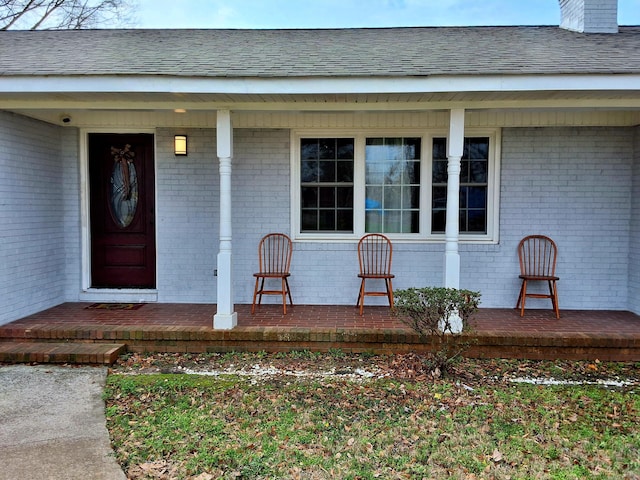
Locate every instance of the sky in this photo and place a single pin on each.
(355, 13)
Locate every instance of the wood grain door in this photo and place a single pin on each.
(122, 210)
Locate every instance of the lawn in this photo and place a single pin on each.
(310, 416)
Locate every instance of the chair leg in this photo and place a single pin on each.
(284, 295)
(288, 291)
(519, 297)
(389, 292)
(361, 296)
(523, 296)
(553, 291)
(255, 293)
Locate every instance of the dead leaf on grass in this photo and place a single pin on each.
(496, 456)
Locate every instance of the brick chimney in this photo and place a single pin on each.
(589, 16)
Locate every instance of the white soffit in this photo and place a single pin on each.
(308, 86)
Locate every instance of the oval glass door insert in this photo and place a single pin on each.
(123, 192)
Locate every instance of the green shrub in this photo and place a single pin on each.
(433, 312)
(430, 310)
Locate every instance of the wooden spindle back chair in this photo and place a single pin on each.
(274, 258)
(374, 255)
(537, 255)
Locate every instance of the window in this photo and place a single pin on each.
(474, 186)
(346, 186)
(392, 183)
(326, 184)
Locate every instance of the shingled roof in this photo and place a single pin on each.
(367, 52)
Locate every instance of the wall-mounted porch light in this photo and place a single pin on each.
(180, 145)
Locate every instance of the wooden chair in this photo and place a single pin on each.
(374, 254)
(274, 257)
(537, 255)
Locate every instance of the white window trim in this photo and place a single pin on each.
(359, 135)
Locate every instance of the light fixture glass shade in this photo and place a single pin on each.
(180, 144)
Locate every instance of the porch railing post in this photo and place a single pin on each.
(225, 318)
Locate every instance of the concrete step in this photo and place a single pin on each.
(67, 352)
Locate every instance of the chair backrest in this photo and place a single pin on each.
(374, 254)
(537, 255)
(274, 253)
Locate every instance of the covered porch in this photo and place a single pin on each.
(186, 328)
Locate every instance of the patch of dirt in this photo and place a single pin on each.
(402, 367)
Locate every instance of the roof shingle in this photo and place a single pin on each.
(373, 52)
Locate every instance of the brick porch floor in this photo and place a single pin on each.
(606, 335)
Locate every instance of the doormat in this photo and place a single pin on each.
(114, 306)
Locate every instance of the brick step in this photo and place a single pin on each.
(68, 352)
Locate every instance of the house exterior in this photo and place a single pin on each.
(324, 135)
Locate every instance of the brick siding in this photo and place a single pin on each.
(574, 184)
(32, 214)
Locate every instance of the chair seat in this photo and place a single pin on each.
(376, 275)
(271, 275)
(539, 277)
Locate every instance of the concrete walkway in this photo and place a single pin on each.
(52, 424)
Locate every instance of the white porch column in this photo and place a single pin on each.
(225, 317)
(455, 147)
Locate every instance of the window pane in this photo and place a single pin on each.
(392, 177)
(344, 171)
(438, 221)
(344, 147)
(374, 198)
(412, 148)
(373, 221)
(327, 219)
(414, 222)
(309, 220)
(309, 149)
(393, 197)
(439, 149)
(477, 221)
(392, 222)
(327, 172)
(439, 199)
(344, 220)
(393, 172)
(412, 197)
(344, 197)
(477, 197)
(411, 173)
(476, 148)
(478, 171)
(439, 171)
(327, 197)
(374, 173)
(309, 171)
(309, 197)
(327, 148)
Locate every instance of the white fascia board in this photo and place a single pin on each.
(295, 86)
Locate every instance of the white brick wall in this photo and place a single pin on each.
(573, 184)
(32, 215)
(187, 217)
(634, 249)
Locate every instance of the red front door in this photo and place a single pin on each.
(122, 209)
